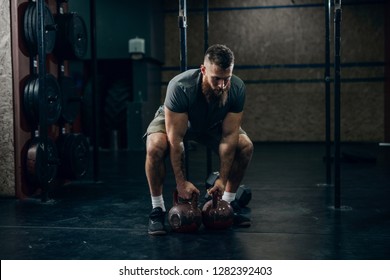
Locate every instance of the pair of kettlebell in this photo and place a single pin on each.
(186, 217)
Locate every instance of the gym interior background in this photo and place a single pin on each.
(280, 54)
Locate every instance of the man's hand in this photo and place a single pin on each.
(186, 190)
(218, 187)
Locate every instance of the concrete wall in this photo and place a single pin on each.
(7, 165)
(280, 54)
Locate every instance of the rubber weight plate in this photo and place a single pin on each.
(74, 155)
(53, 94)
(28, 103)
(38, 173)
(72, 39)
(28, 35)
(31, 29)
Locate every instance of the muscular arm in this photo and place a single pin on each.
(176, 126)
(228, 145)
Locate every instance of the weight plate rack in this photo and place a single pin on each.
(51, 158)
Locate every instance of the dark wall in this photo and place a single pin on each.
(119, 76)
(118, 21)
(280, 55)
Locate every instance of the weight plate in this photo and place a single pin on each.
(32, 91)
(28, 101)
(50, 32)
(72, 39)
(38, 173)
(78, 35)
(32, 29)
(26, 26)
(53, 95)
(33, 101)
(74, 155)
(80, 155)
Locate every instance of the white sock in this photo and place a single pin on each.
(158, 201)
(228, 196)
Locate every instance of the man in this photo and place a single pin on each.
(204, 105)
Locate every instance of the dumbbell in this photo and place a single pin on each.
(243, 194)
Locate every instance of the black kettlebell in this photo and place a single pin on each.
(217, 213)
(185, 216)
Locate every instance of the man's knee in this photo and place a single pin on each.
(246, 147)
(156, 146)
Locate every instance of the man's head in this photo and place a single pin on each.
(217, 70)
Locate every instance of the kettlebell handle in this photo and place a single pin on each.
(216, 197)
(194, 199)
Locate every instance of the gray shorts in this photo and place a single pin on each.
(211, 138)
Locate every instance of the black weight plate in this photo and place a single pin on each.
(33, 45)
(70, 101)
(31, 104)
(72, 39)
(34, 99)
(74, 155)
(33, 30)
(27, 101)
(49, 33)
(53, 94)
(38, 173)
(32, 161)
(78, 35)
(26, 26)
(79, 156)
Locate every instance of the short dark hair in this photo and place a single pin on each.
(220, 55)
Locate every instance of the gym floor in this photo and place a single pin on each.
(293, 217)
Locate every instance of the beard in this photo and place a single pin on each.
(215, 95)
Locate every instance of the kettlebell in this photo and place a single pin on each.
(185, 216)
(217, 213)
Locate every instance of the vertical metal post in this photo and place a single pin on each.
(337, 91)
(328, 172)
(206, 24)
(206, 46)
(40, 8)
(183, 63)
(95, 99)
(183, 34)
(387, 72)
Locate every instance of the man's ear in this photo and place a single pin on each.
(203, 69)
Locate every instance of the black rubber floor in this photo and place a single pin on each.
(293, 217)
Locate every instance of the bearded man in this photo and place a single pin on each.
(204, 105)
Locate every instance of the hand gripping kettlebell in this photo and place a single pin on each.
(217, 213)
(185, 216)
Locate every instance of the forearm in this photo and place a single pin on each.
(227, 149)
(177, 155)
(176, 126)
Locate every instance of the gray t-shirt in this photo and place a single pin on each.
(184, 95)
